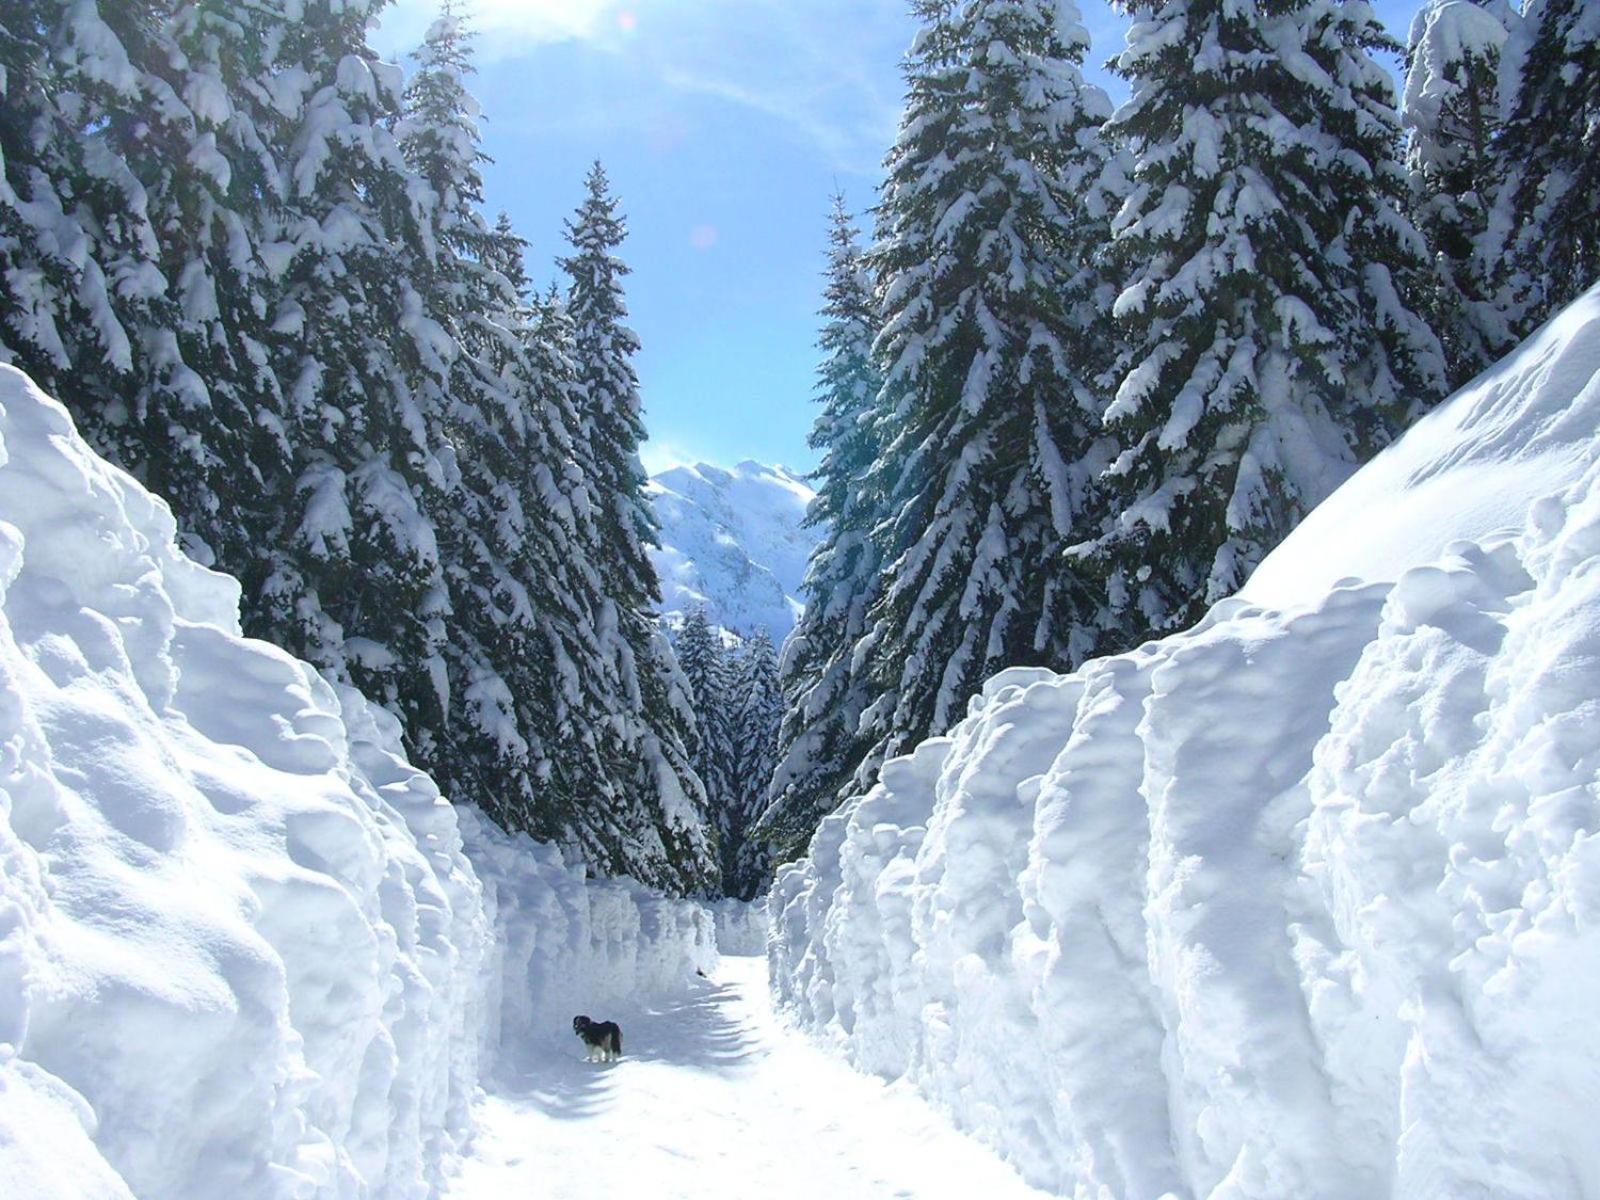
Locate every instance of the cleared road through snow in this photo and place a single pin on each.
(715, 1100)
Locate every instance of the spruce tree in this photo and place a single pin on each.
(140, 178)
(612, 417)
(1451, 112)
(264, 284)
(706, 669)
(356, 581)
(755, 705)
(824, 694)
(505, 561)
(986, 257)
(1273, 289)
(52, 292)
(650, 723)
(1548, 222)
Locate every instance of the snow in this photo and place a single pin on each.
(741, 926)
(733, 542)
(239, 942)
(1302, 902)
(714, 1100)
(1469, 470)
(246, 949)
(568, 944)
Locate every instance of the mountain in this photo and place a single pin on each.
(1304, 901)
(734, 541)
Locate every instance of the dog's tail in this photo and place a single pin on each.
(616, 1041)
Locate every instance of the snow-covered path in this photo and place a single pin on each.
(717, 1101)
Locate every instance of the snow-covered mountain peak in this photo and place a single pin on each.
(734, 540)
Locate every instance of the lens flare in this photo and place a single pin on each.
(703, 237)
(627, 20)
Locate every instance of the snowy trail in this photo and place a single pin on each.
(716, 1100)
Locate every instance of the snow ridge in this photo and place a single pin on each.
(1302, 902)
(240, 945)
(246, 948)
(734, 542)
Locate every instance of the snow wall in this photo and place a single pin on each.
(741, 926)
(568, 944)
(1302, 903)
(243, 950)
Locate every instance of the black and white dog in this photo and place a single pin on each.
(603, 1038)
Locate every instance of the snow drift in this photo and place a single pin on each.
(741, 926)
(569, 944)
(239, 942)
(243, 950)
(1304, 902)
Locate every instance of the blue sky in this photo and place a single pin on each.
(725, 126)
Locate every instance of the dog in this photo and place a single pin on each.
(603, 1038)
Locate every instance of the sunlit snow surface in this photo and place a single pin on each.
(1303, 903)
(713, 1100)
(240, 947)
(243, 952)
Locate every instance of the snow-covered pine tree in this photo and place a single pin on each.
(1548, 218)
(1273, 287)
(612, 416)
(356, 581)
(824, 694)
(215, 251)
(755, 703)
(55, 302)
(650, 721)
(1451, 111)
(595, 757)
(986, 256)
(704, 661)
(504, 564)
(134, 152)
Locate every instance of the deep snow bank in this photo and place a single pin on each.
(1303, 903)
(239, 944)
(243, 949)
(741, 926)
(568, 944)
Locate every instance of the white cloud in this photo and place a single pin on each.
(659, 454)
(506, 27)
(824, 68)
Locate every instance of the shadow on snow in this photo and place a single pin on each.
(695, 1033)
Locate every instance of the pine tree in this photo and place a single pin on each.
(1272, 297)
(613, 421)
(506, 558)
(986, 255)
(706, 669)
(651, 717)
(755, 703)
(1452, 114)
(84, 113)
(53, 294)
(356, 581)
(824, 694)
(264, 284)
(1548, 219)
